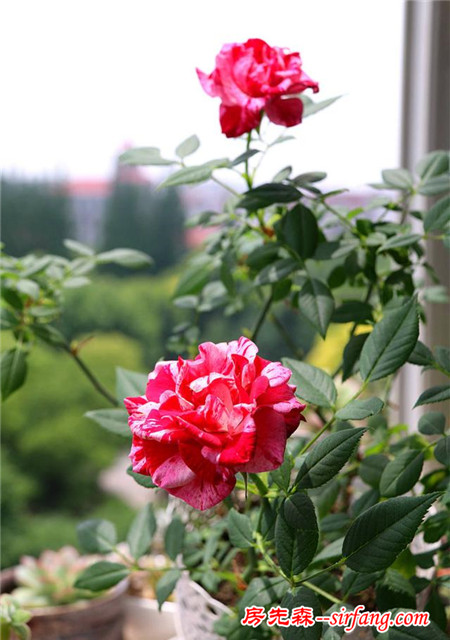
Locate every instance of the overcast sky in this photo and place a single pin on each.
(82, 78)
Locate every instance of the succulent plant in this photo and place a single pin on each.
(13, 619)
(49, 580)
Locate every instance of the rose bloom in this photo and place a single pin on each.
(203, 420)
(253, 77)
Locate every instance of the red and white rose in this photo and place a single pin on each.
(252, 78)
(201, 421)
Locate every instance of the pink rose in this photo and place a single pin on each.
(203, 420)
(253, 77)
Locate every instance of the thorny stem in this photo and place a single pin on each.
(317, 436)
(267, 558)
(331, 420)
(91, 377)
(262, 317)
(321, 592)
(334, 211)
(354, 327)
(248, 178)
(225, 186)
(337, 564)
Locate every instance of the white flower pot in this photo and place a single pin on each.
(143, 621)
(196, 611)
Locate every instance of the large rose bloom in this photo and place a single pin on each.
(253, 77)
(203, 420)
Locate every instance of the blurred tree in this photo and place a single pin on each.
(35, 216)
(52, 455)
(138, 218)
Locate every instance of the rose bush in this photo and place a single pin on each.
(202, 421)
(253, 77)
(331, 519)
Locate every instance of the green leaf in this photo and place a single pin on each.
(402, 473)
(29, 288)
(433, 164)
(395, 581)
(101, 575)
(8, 320)
(309, 177)
(379, 535)
(282, 475)
(316, 303)
(294, 599)
(434, 394)
(129, 384)
(365, 501)
(398, 178)
(74, 283)
(141, 532)
(360, 409)
(421, 355)
(141, 479)
(437, 294)
(244, 156)
(391, 342)
(277, 271)
(351, 355)
(195, 174)
(12, 298)
(442, 451)
(327, 497)
(330, 551)
(78, 248)
(443, 358)
(313, 384)
(434, 186)
(239, 530)
(432, 423)
(166, 584)
(195, 276)
(13, 367)
(371, 469)
(299, 230)
(264, 591)
(296, 534)
(268, 194)
(97, 536)
(310, 107)
(125, 258)
(144, 156)
(438, 216)
(187, 147)
(327, 458)
(283, 174)
(174, 538)
(353, 311)
(49, 334)
(114, 420)
(436, 526)
(399, 241)
(353, 582)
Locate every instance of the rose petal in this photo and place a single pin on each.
(284, 111)
(270, 442)
(236, 120)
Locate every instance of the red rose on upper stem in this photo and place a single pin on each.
(253, 77)
(203, 420)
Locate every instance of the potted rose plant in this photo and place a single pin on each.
(340, 522)
(305, 521)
